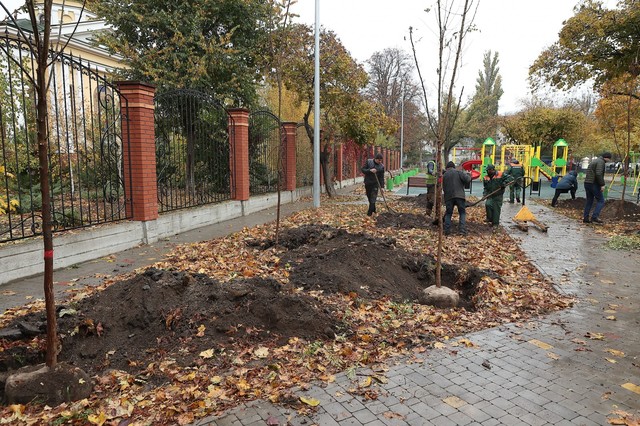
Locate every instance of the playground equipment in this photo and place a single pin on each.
(469, 164)
(529, 157)
(633, 173)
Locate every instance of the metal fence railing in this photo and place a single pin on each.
(265, 152)
(84, 142)
(192, 150)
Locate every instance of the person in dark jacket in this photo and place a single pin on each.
(373, 171)
(594, 187)
(453, 183)
(494, 183)
(517, 173)
(568, 183)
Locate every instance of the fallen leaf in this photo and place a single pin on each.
(261, 352)
(391, 415)
(632, 387)
(611, 318)
(594, 336)
(365, 383)
(207, 354)
(615, 352)
(612, 361)
(553, 355)
(541, 345)
(312, 402)
(454, 401)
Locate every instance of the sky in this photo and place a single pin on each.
(519, 30)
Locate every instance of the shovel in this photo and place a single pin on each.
(468, 204)
(383, 197)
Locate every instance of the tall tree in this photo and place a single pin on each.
(213, 45)
(391, 86)
(596, 44)
(345, 112)
(481, 115)
(454, 22)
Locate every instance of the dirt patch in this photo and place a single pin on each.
(403, 220)
(614, 210)
(369, 267)
(134, 322)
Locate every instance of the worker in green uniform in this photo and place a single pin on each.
(516, 171)
(430, 180)
(494, 183)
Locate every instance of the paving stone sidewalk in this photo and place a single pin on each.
(580, 366)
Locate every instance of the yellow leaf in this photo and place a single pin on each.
(615, 352)
(612, 361)
(201, 330)
(611, 318)
(552, 355)
(312, 402)
(97, 420)
(439, 345)
(594, 336)
(454, 401)
(541, 345)
(632, 387)
(365, 383)
(207, 354)
(216, 380)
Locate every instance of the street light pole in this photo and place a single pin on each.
(402, 127)
(316, 112)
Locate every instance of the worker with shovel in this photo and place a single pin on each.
(453, 183)
(373, 171)
(494, 185)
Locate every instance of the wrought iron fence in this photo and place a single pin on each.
(304, 158)
(192, 150)
(85, 145)
(265, 156)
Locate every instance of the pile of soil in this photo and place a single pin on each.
(403, 221)
(131, 323)
(160, 313)
(614, 210)
(370, 267)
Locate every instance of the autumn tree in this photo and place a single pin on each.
(599, 45)
(543, 125)
(345, 112)
(454, 22)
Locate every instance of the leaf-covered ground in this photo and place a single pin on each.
(238, 318)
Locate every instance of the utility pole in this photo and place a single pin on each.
(316, 113)
(402, 127)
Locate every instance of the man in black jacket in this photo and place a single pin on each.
(373, 171)
(594, 187)
(453, 183)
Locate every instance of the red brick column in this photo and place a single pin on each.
(340, 156)
(139, 148)
(239, 153)
(289, 129)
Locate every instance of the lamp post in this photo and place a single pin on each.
(316, 112)
(402, 127)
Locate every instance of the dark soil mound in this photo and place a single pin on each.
(403, 220)
(419, 200)
(371, 268)
(615, 210)
(133, 322)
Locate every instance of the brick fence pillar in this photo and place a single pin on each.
(138, 128)
(239, 153)
(340, 158)
(290, 131)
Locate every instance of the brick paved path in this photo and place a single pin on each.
(543, 372)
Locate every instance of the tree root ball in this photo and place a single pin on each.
(51, 386)
(440, 297)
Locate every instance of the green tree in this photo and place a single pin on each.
(481, 117)
(212, 45)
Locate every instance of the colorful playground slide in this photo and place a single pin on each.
(468, 165)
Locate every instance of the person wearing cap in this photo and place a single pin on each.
(594, 187)
(373, 171)
(494, 185)
(516, 171)
(453, 183)
(568, 183)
